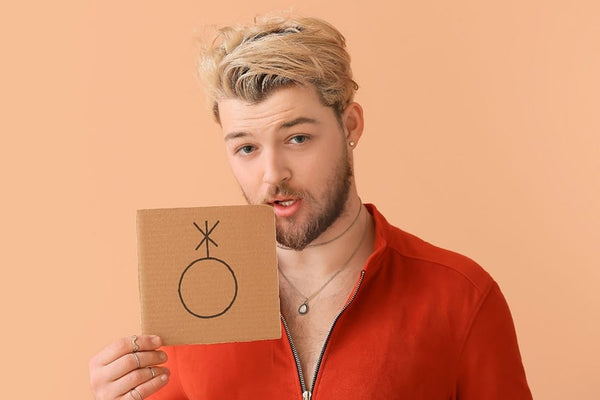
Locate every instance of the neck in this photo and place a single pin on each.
(318, 262)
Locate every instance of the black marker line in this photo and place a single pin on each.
(235, 291)
(206, 235)
(204, 238)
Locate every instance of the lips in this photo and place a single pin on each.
(285, 207)
(286, 203)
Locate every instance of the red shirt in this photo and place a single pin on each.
(422, 323)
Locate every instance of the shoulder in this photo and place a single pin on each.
(423, 258)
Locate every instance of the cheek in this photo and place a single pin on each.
(240, 173)
(245, 176)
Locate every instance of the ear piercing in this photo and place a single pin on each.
(351, 143)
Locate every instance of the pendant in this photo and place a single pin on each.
(303, 309)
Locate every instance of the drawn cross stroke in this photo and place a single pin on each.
(206, 234)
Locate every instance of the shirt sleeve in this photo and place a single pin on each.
(490, 366)
(173, 389)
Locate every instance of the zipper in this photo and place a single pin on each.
(307, 393)
(362, 275)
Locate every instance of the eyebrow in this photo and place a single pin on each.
(298, 121)
(285, 125)
(235, 135)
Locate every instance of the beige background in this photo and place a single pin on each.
(482, 135)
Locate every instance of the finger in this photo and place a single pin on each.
(125, 345)
(136, 378)
(155, 371)
(146, 388)
(129, 362)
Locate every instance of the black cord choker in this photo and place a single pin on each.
(335, 238)
(303, 308)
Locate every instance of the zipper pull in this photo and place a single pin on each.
(306, 395)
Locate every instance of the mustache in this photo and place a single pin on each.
(287, 191)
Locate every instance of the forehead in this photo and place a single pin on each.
(281, 106)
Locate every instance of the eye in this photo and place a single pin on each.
(245, 150)
(299, 139)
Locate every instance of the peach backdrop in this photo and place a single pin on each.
(482, 135)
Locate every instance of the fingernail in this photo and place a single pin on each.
(162, 356)
(164, 377)
(155, 340)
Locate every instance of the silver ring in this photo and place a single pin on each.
(134, 339)
(152, 371)
(136, 392)
(137, 360)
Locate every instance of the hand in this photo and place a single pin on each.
(127, 369)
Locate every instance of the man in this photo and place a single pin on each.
(368, 311)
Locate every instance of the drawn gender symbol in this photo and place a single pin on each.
(200, 279)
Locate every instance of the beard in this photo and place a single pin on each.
(295, 234)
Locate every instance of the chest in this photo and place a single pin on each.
(308, 332)
(371, 355)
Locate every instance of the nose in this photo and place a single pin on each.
(275, 168)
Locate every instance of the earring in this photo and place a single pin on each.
(351, 143)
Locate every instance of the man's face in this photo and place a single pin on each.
(289, 151)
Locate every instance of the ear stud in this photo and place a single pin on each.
(351, 143)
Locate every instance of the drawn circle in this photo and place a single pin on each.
(201, 288)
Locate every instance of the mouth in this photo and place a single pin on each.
(284, 203)
(282, 200)
(285, 207)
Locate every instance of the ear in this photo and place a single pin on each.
(354, 122)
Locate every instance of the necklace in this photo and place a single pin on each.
(303, 308)
(335, 238)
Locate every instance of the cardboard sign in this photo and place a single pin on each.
(208, 274)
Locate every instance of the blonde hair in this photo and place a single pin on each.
(249, 62)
